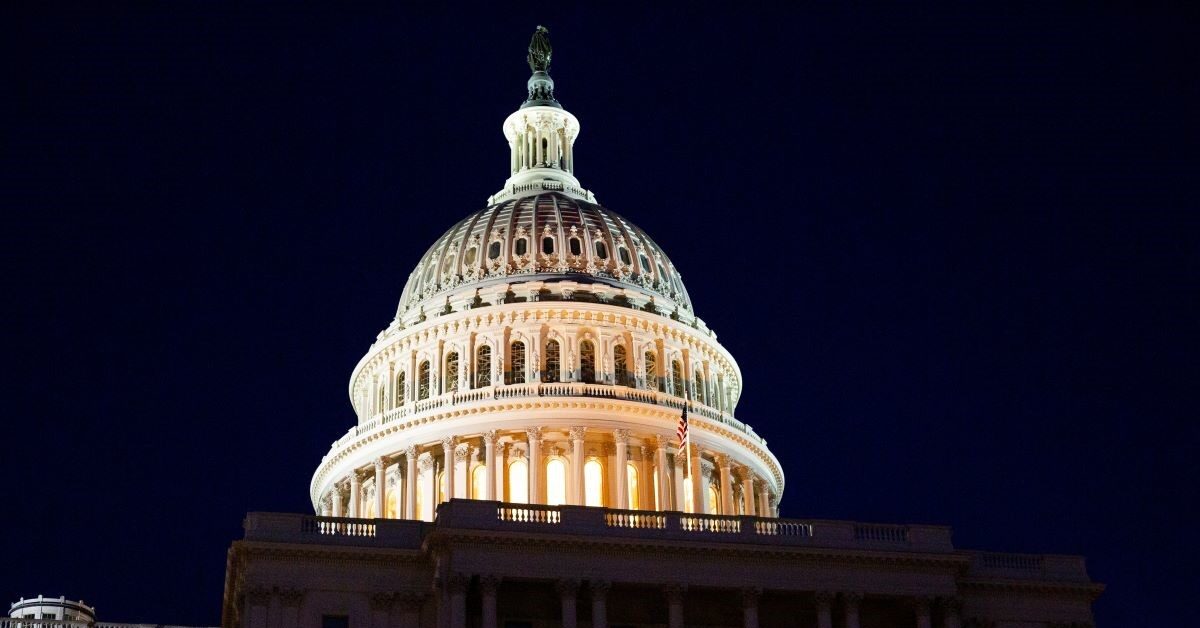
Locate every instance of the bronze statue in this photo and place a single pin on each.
(539, 50)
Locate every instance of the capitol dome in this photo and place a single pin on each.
(545, 352)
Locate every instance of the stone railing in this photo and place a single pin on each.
(1028, 566)
(18, 622)
(293, 528)
(548, 389)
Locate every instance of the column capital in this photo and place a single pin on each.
(599, 588)
(380, 464)
(462, 452)
(448, 443)
(725, 462)
(488, 583)
(680, 459)
(354, 479)
(675, 592)
(534, 434)
(411, 451)
(621, 436)
(647, 452)
(425, 461)
(489, 437)
(576, 433)
(567, 587)
(750, 596)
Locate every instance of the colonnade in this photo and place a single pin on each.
(553, 466)
(452, 610)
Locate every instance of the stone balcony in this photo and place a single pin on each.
(491, 516)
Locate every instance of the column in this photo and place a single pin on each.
(410, 483)
(410, 610)
(750, 597)
(535, 464)
(488, 585)
(664, 475)
(645, 479)
(576, 494)
(489, 468)
(621, 437)
(921, 610)
(380, 489)
(447, 467)
(726, 466)
(680, 462)
(501, 469)
(675, 595)
(457, 588)
(824, 609)
(599, 590)
(355, 495)
(852, 600)
(748, 491)
(951, 612)
(762, 507)
(391, 386)
(568, 591)
(335, 495)
(429, 477)
(698, 500)
(325, 511)
(462, 478)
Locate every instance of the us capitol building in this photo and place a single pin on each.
(517, 460)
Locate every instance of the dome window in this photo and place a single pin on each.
(423, 380)
(624, 255)
(483, 366)
(547, 245)
(494, 250)
(448, 265)
(601, 249)
(451, 380)
(645, 263)
(553, 362)
(522, 246)
(587, 362)
(517, 355)
(576, 246)
(469, 258)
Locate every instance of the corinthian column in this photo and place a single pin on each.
(664, 474)
(488, 584)
(824, 609)
(750, 607)
(921, 610)
(680, 494)
(727, 507)
(447, 468)
(355, 495)
(535, 464)
(568, 591)
(852, 600)
(380, 489)
(410, 483)
(577, 495)
(697, 475)
(675, 595)
(335, 496)
(599, 589)
(748, 491)
(621, 437)
(489, 465)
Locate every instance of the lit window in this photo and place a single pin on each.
(620, 366)
(494, 250)
(517, 355)
(483, 366)
(393, 505)
(677, 378)
(556, 482)
(441, 486)
(714, 500)
(593, 483)
(469, 259)
(399, 396)
(423, 380)
(687, 495)
(518, 482)
(699, 395)
(651, 370)
(631, 481)
(451, 380)
(553, 362)
(587, 362)
(479, 483)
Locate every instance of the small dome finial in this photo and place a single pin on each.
(539, 50)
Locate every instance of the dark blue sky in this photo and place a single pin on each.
(954, 253)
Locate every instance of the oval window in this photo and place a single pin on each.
(601, 250)
(494, 250)
(547, 246)
(470, 257)
(447, 265)
(624, 253)
(522, 246)
(645, 263)
(576, 247)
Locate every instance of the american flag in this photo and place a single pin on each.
(682, 430)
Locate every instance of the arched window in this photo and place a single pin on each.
(576, 246)
(548, 245)
(479, 482)
(631, 483)
(518, 482)
(494, 250)
(620, 366)
(623, 253)
(522, 246)
(423, 380)
(587, 362)
(516, 352)
(662, 273)
(701, 392)
(399, 396)
(714, 500)
(381, 400)
(676, 378)
(645, 263)
(450, 381)
(651, 370)
(556, 482)
(369, 506)
(393, 505)
(553, 362)
(601, 249)
(483, 366)
(741, 503)
(593, 483)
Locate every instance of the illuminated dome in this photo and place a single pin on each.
(548, 237)
(542, 353)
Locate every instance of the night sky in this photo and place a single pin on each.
(955, 255)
